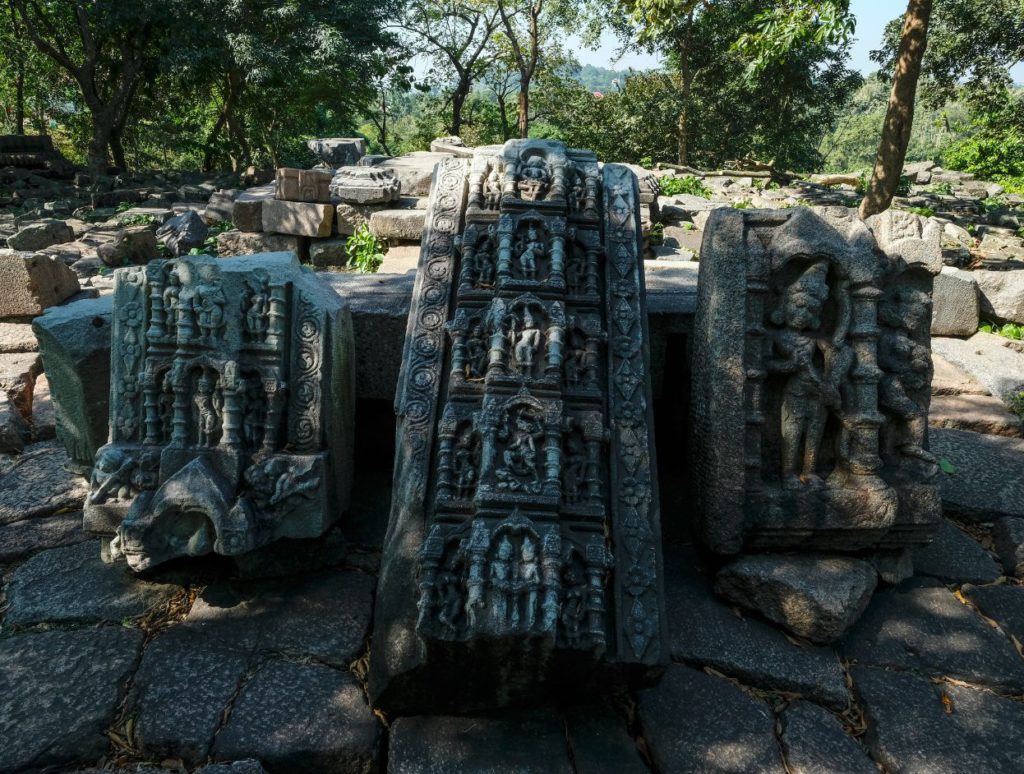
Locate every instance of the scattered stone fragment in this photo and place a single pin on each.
(365, 185)
(977, 413)
(328, 252)
(1004, 604)
(813, 742)
(31, 535)
(893, 565)
(14, 430)
(923, 626)
(59, 693)
(814, 596)
(40, 485)
(301, 717)
(1002, 294)
(694, 722)
(73, 583)
(955, 557)
(179, 717)
(40, 234)
(398, 224)
(414, 170)
(133, 245)
(918, 727)
(247, 212)
(324, 616)
(252, 243)
(297, 218)
(954, 303)
(600, 742)
(338, 151)
(183, 232)
(220, 206)
(1008, 537)
(74, 343)
(988, 477)
(987, 358)
(33, 282)
(351, 217)
(44, 415)
(17, 337)
(742, 647)
(524, 742)
(18, 373)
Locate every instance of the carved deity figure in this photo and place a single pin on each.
(527, 343)
(111, 478)
(492, 190)
(500, 582)
(534, 179)
(476, 351)
(574, 468)
(578, 195)
(256, 318)
(573, 597)
(906, 366)
(449, 587)
(529, 580)
(520, 456)
(254, 413)
(209, 303)
(208, 403)
(465, 465)
(814, 367)
(277, 479)
(531, 250)
(575, 272)
(485, 263)
(172, 290)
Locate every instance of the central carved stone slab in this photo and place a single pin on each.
(524, 533)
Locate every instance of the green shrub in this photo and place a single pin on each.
(364, 252)
(988, 155)
(926, 212)
(1015, 400)
(1008, 331)
(671, 186)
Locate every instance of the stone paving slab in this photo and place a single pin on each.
(523, 742)
(922, 626)
(989, 478)
(704, 631)
(948, 379)
(72, 583)
(1004, 604)
(955, 557)
(694, 722)
(59, 692)
(813, 742)
(302, 717)
(918, 727)
(600, 742)
(26, 537)
(986, 357)
(325, 616)
(977, 413)
(40, 484)
(17, 337)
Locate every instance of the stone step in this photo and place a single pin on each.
(978, 413)
(994, 361)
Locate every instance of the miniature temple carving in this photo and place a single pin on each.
(524, 502)
(812, 380)
(231, 408)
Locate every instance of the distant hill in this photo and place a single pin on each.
(599, 78)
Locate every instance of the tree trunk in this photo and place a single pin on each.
(899, 115)
(102, 128)
(683, 123)
(459, 97)
(117, 149)
(524, 106)
(19, 99)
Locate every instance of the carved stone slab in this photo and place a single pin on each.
(524, 535)
(232, 396)
(811, 381)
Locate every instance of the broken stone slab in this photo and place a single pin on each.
(14, 430)
(132, 245)
(159, 215)
(954, 557)
(303, 185)
(17, 337)
(987, 481)
(365, 185)
(247, 212)
(230, 243)
(815, 597)
(987, 358)
(74, 343)
(183, 232)
(59, 693)
(528, 742)
(177, 717)
(977, 413)
(922, 626)
(453, 145)
(750, 650)
(1004, 604)
(918, 726)
(301, 717)
(40, 234)
(814, 742)
(231, 410)
(18, 374)
(306, 219)
(338, 151)
(695, 722)
(40, 484)
(72, 584)
(398, 225)
(220, 206)
(33, 282)
(414, 170)
(28, 536)
(599, 740)
(328, 252)
(1002, 294)
(1008, 539)
(955, 303)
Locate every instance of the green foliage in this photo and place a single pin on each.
(364, 252)
(687, 184)
(940, 189)
(947, 467)
(137, 220)
(742, 204)
(1009, 330)
(1015, 402)
(210, 244)
(926, 212)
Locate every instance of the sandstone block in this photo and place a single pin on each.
(1002, 294)
(252, 243)
(338, 151)
(297, 218)
(247, 214)
(365, 185)
(40, 234)
(135, 244)
(398, 224)
(303, 185)
(220, 206)
(954, 303)
(31, 283)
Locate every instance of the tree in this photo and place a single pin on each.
(899, 116)
(455, 34)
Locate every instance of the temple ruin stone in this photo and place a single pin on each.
(303, 185)
(338, 151)
(365, 185)
(524, 542)
(231, 414)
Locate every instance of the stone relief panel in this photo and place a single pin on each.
(231, 408)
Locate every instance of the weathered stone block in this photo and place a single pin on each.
(247, 212)
(133, 245)
(74, 343)
(183, 232)
(1008, 537)
(231, 243)
(232, 401)
(303, 185)
(955, 303)
(365, 185)
(328, 252)
(414, 170)
(398, 224)
(220, 206)
(1002, 294)
(297, 218)
(519, 422)
(32, 283)
(349, 218)
(40, 234)
(338, 151)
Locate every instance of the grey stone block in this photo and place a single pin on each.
(183, 232)
(338, 151)
(230, 243)
(132, 245)
(954, 303)
(1004, 604)
(26, 537)
(954, 557)
(414, 170)
(40, 484)
(328, 252)
(600, 741)
(306, 219)
(988, 477)
(32, 283)
(398, 224)
(813, 742)
(1002, 294)
(40, 234)
(1008, 537)
(247, 212)
(988, 358)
